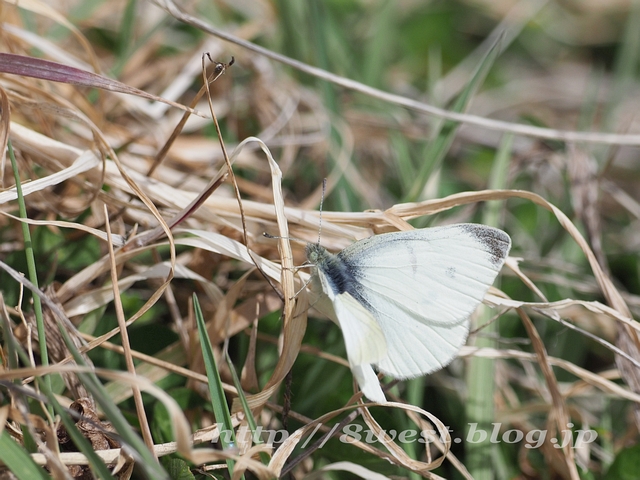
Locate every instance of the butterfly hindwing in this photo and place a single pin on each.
(415, 350)
(363, 336)
(368, 382)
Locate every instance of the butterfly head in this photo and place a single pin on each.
(316, 253)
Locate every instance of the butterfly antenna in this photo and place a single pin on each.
(276, 237)
(324, 187)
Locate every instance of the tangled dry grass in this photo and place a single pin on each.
(134, 204)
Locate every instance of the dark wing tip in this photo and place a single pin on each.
(497, 242)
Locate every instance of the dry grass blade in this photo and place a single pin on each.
(590, 378)
(280, 457)
(46, 11)
(4, 130)
(56, 72)
(487, 123)
(350, 467)
(118, 240)
(442, 441)
(160, 156)
(122, 324)
(559, 413)
(86, 161)
(295, 304)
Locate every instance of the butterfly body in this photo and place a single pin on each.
(403, 299)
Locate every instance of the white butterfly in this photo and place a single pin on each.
(403, 299)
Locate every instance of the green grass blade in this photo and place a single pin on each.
(481, 372)
(378, 52)
(589, 108)
(98, 466)
(31, 266)
(446, 130)
(626, 65)
(403, 161)
(18, 460)
(126, 35)
(144, 457)
(245, 407)
(319, 33)
(415, 396)
(218, 399)
(291, 15)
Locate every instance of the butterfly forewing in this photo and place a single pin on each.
(439, 275)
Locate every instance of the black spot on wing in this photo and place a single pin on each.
(451, 272)
(413, 257)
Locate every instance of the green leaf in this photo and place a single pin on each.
(18, 460)
(626, 465)
(178, 469)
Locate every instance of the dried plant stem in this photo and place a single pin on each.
(124, 333)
